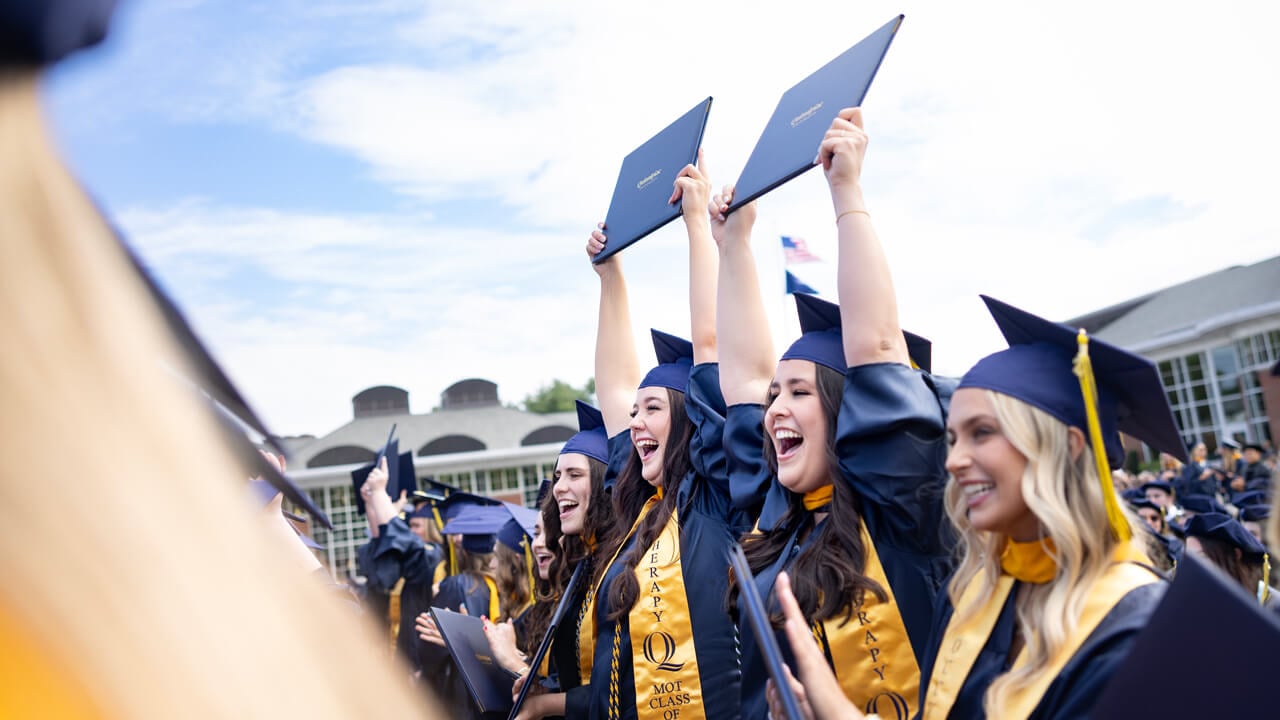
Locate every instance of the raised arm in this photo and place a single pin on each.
(617, 369)
(741, 323)
(868, 304)
(693, 191)
(378, 508)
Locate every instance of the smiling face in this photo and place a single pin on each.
(650, 426)
(987, 469)
(572, 491)
(797, 427)
(541, 555)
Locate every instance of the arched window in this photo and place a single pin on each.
(451, 444)
(548, 434)
(342, 455)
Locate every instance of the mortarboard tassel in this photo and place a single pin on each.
(528, 564)
(448, 546)
(1083, 369)
(1264, 585)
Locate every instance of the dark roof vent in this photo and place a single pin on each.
(380, 400)
(472, 393)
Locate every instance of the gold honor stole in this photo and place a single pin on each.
(495, 606)
(871, 653)
(667, 682)
(587, 617)
(962, 641)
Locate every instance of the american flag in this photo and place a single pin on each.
(796, 251)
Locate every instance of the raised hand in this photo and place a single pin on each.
(735, 228)
(843, 149)
(692, 189)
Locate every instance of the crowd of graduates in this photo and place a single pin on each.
(926, 546)
(952, 548)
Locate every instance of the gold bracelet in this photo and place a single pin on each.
(850, 212)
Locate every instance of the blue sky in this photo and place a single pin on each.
(344, 194)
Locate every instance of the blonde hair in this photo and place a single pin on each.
(1066, 497)
(158, 591)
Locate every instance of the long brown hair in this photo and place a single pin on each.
(570, 550)
(827, 577)
(630, 493)
(512, 579)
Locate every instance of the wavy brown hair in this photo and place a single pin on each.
(630, 493)
(569, 550)
(827, 577)
(512, 578)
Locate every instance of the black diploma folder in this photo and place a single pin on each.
(490, 683)
(1209, 650)
(752, 605)
(790, 141)
(565, 598)
(639, 205)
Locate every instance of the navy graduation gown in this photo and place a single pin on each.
(1082, 680)
(891, 441)
(708, 527)
(398, 553)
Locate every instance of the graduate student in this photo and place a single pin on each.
(397, 555)
(1052, 587)
(575, 514)
(1218, 538)
(852, 436)
(664, 644)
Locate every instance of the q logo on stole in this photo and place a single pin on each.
(666, 648)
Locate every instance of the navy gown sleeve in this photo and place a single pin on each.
(749, 474)
(619, 451)
(457, 590)
(397, 553)
(706, 490)
(1081, 682)
(891, 445)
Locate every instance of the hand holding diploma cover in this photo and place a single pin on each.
(640, 201)
(545, 645)
(789, 143)
(751, 604)
(489, 683)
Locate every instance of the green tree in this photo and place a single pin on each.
(558, 396)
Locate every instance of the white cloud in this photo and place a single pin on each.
(1009, 142)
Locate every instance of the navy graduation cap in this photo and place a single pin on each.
(675, 360)
(513, 535)
(1201, 504)
(1037, 368)
(591, 439)
(478, 526)
(1157, 485)
(1142, 503)
(1087, 384)
(391, 452)
(451, 506)
(1217, 526)
(40, 32)
(821, 339)
(1250, 497)
(543, 489)
(1255, 513)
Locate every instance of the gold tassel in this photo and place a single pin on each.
(1264, 585)
(448, 546)
(528, 564)
(1084, 370)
